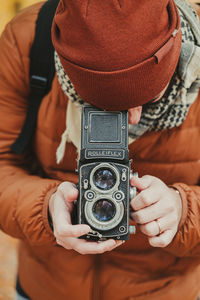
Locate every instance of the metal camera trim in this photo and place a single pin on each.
(118, 192)
(100, 166)
(104, 226)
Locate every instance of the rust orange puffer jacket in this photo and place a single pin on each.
(47, 271)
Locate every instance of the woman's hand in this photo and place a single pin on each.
(60, 208)
(157, 210)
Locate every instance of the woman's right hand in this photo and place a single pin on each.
(60, 208)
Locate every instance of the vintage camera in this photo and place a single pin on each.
(104, 174)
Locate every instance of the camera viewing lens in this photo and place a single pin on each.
(104, 179)
(104, 210)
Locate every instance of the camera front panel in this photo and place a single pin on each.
(104, 199)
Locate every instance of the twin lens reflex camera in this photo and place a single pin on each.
(104, 174)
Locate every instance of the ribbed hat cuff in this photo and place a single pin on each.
(126, 88)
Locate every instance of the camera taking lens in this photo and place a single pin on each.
(104, 210)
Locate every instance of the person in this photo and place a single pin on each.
(116, 55)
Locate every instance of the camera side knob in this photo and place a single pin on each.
(133, 190)
(132, 229)
(135, 174)
(133, 193)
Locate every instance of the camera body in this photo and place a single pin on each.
(104, 174)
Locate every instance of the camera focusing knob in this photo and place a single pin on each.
(133, 192)
(132, 229)
(133, 174)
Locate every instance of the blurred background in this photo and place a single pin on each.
(8, 245)
(8, 8)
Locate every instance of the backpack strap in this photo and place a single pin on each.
(42, 72)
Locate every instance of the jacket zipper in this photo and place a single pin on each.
(96, 284)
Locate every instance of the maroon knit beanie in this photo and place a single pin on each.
(118, 53)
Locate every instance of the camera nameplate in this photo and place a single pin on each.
(105, 153)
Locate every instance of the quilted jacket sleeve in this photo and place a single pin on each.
(23, 197)
(186, 242)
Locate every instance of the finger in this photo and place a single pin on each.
(85, 247)
(152, 212)
(72, 194)
(62, 221)
(162, 240)
(144, 198)
(69, 191)
(141, 183)
(158, 226)
(151, 229)
(63, 231)
(61, 211)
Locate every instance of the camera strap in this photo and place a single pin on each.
(42, 72)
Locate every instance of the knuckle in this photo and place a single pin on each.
(162, 244)
(101, 249)
(164, 241)
(152, 243)
(66, 246)
(104, 249)
(171, 207)
(139, 217)
(110, 249)
(174, 219)
(63, 187)
(80, 251)
(148, 230)
(145, 199)
(161, 241)
(59, 242)
(61, 231)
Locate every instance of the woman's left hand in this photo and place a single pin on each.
(157, 210)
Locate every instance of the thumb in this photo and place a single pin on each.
(72, 194)
(68, 191)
